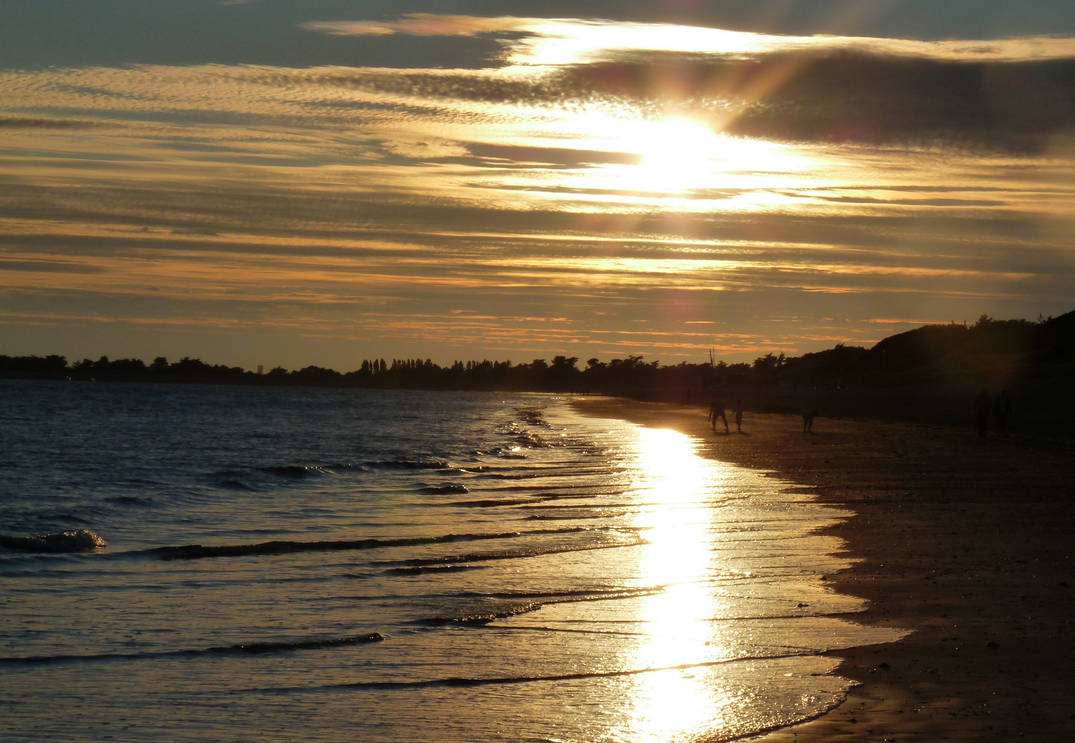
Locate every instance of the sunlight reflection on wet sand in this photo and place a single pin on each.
(668, 704)
(718, 676)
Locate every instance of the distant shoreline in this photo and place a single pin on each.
(1043, 407)
(966, 542)
(933, 374)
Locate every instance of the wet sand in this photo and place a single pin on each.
(969, 543)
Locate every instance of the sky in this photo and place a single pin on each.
(265, 182)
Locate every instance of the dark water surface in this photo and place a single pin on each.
(342, 565)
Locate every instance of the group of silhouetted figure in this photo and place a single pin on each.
(716, 410)
(987, 407)
(988, 410)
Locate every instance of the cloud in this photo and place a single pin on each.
(569, 41)
(823, 92)
(1008, 94)
(25, 122)
(422, 24)
(392, 206)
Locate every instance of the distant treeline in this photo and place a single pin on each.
(924, 373)
(562, 374)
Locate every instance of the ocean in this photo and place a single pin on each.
(359, 565)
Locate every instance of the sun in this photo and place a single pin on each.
(677, 162)
(677, 155)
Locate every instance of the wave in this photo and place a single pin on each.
(480, 617)
(500, 452)
(284, 547)
(577, 515)
(531, 473)
(73, 540)
(296, 471)
(463, 681)
(253, 478)
(475, 557)
(513, 603)
(532, 416)
(233, 483)
(451, 487)
(538, 500)
(542, 504)
(488, 502)
(532, 440)
(591, 490)
(486, 474)
(424, 569)
(408, 464)
(246, 648)
(581, 594)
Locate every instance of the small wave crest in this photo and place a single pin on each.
(532, 417)
(245, 648)
(489, 502)
(284, 547)
(451, 487)
(462, 681)
(480, 617)
(72, 540)
(514, 603)
(435, 569)
(606, 541)
(254, 479)
(508, 453)
(296, 471)
(234, 483)
(532, 440)
(408, 464)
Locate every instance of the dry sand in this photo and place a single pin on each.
(967, 542)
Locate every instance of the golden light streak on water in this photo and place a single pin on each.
(680, 701)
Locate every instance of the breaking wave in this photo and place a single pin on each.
(246, 648)
(73, 540)
(285, 547)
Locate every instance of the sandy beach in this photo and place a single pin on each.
(967, 542)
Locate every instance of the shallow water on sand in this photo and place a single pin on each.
(384, 566)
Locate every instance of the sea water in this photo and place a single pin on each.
(355, 565)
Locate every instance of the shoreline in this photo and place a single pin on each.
(969, 543)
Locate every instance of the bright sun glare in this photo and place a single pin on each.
(675, 153)
(686, 154)
(680, 155)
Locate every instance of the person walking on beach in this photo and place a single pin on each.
(716, 410)
(739, 415)
(982, 403)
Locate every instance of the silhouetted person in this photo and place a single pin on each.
(1002, 410)
(982, 403)
(716, 410)
(808, 420)
(739, 416)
